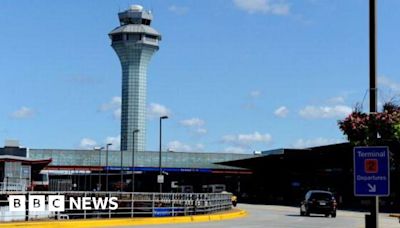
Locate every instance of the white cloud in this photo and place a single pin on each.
(280, 8)
(87, 143)
(255, 93)
(199, 147)
(115, 141)
(389, 83)
(336, 100)
(114, 105)
(201, 131)
(180, 10)
(235, 150)
(117, 113)
(276, 7)
(229, 138)
(156, 110)
(193, 122)
(255, 137)
(178, 146)
(281, 112)
(251, 102)
(314, 112)
(23, 113)
(306, 143)
(247, 139)
(195, 125)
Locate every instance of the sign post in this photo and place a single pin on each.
(371, 171)
(372, 177)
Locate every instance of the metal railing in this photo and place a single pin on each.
(129, 205)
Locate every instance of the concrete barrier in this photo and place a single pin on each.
(80, 223)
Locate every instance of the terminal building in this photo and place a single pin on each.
(279, 176)
(87, 170)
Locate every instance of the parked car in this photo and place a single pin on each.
(318, 202)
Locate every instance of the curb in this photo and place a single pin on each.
(80, 223)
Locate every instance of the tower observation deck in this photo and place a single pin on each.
(135, 42)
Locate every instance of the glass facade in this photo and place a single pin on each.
(15, 172)
(142, 159)
(12, 171)
(134, 60)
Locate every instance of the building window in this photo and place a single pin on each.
(145, 22)
(151, 38)
(117, 37)
(133, 37)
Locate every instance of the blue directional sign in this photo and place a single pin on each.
(371, 171)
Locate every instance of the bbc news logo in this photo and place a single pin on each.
(57, 203)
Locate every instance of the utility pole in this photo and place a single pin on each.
(108, 144)
(372, 219)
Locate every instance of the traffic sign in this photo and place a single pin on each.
(371, 171)
(160, 179)
(174, 184)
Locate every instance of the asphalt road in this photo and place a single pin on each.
(264, 216)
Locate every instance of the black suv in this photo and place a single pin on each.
(318, 202)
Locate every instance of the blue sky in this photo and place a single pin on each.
(234, 76)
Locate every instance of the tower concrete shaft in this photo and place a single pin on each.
(135, 42)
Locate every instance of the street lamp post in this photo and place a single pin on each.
(159, 164)
(108, 144)
(133, 160)
(99, 149)
(122, 172)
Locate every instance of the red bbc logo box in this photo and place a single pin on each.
(371, 166)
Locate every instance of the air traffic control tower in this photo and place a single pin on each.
(135, 42)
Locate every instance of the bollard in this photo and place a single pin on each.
(370, 221)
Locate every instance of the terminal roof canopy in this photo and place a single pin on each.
(36, 164)
(331, 157)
